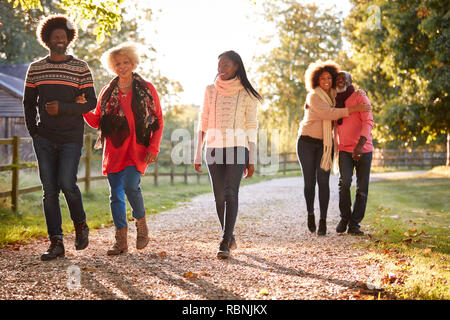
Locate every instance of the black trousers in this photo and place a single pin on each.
(226, 167)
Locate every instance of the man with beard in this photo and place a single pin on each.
(354, 137)
(55, 122)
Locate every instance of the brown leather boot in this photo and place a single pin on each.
(121, 245)
(142, 233)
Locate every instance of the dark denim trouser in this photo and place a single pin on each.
(310, 155)
(58, 167)
(226, 167)
(346, 166)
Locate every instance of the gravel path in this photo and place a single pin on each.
(276, 258)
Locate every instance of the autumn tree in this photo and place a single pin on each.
(304, 33)
(401, 50)
(106, 15)
(19, 44)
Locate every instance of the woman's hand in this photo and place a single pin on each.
(361, 107)
(361, 92)
(197, 167)
(150, 157)
(249, 170)
(81, 99)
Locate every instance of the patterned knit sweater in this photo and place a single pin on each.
(49, 80)
(229, 121)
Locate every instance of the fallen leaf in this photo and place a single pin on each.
(263, 292)
(412, 230)
(87, 269)
(427, 251)
(191, 275)
(406, 234)
(389, 278)
(162, 254)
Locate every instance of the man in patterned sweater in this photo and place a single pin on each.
(55, 122)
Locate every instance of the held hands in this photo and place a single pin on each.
(150, 158)
(52, 107)
(81, 99)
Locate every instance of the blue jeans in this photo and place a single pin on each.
(309, 155)
(125, 182)
(58, 168)
(226, 167)
(346, 166)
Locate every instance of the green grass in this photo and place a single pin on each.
(408, 221)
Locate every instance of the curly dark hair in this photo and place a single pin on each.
(314, 71)
(50, 23)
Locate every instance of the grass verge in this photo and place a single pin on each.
(408, 222)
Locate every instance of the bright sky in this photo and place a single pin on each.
(191, 34)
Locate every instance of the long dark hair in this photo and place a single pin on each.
(240, 72)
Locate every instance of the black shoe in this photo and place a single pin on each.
(342, 226)
(81, 235)
(311, 222)
(55, 250)
(224, 250)
(233, 244)
(355, 231)
(322, 227)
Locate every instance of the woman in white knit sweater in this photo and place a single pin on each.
(228, 121)
(315, 142)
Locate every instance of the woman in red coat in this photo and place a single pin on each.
(129, 118)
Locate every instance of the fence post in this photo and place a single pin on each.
(155, 173)
(284, 163)
(87, 175)
(185, 173)
(172, 166)
(15, 174)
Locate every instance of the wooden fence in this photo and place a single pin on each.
(286, 162)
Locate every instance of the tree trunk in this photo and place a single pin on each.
(448, 148)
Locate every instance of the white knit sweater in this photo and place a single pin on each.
(229, 121)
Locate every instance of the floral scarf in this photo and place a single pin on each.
(113, 123)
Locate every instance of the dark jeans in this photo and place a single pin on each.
(58, 167)
(310, 155)
(226, 167)
(346, 166)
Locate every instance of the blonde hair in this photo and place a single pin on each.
(129, 49)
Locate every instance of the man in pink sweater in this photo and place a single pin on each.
(355, 147)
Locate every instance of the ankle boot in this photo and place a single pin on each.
(224, 250)
(55, 250)
(311, 222)
(121, 245)
(142, 233)
(322, 227)
(81, 235)
(233, 244)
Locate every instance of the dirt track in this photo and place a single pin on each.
(276, 258)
